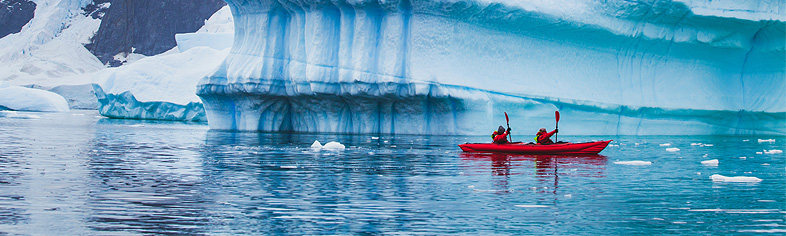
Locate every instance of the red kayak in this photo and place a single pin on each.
(559, 148)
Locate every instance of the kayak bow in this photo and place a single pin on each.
(559, 148)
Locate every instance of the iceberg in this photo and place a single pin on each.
(162, 87)
(17, 98)
(453, 67)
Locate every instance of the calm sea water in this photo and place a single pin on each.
(77, 173)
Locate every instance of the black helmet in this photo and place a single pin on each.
(500, 129)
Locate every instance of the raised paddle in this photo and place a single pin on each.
(556, 114)
(507, 121)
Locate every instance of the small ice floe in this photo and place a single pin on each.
(288, 167)
(316, 145)
(328, 146)
(766, 140)
(665, 144)
(746, 140)
(672, 149)
(736, 179)
(708, 145)
(374, 138)
(16, 115)
(633, 163)
(713, 162)
(743, 158)
(696, 144)
(531, 206)
(773, 151)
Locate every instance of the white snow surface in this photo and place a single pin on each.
(49, 48)
(170, 77)
(721, 178)
(27, 99)
(633, 163)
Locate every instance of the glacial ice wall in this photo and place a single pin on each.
(453, 67)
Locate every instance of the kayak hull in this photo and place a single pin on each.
(589, 148)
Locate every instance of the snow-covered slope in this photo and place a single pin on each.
(453, 67)
(49, 47)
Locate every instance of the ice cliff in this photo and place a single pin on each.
(454, 66)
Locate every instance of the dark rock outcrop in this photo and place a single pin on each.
(145, 26)
(14, 14)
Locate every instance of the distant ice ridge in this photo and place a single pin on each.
(453, 67)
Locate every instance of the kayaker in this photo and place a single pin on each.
(501, 135)
(544, 137)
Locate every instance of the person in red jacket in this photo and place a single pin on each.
(544, 137)
(501, 135)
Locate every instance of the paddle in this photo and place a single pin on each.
(556, 114)
(507, 120)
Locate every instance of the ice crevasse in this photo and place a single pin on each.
(454, 67)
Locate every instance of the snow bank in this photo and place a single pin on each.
(27, 99)
(633, 163)
(713, 162)
(721, 178)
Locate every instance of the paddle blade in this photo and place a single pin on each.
(506, 118)
(556, 114)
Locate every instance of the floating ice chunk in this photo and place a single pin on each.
(316, 145)
(759, 153)
(766, 140)
(746, 140)
(773, 151)
(708, 145)
(695, 144)
(531, 206)
(763, 231)
(14, 114)
(672, 149)
(743, 158)
(742, 179)
(633, 163)
(333, 146)
(374, 138)
(288, 167)
(665, 144)
(713, 162)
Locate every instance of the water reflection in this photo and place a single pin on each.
(546, 167)
(82, 175)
